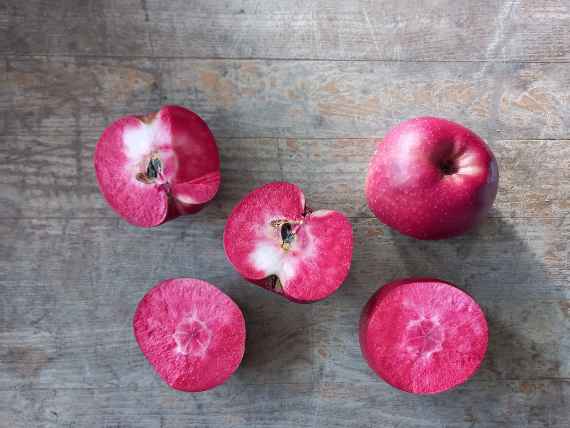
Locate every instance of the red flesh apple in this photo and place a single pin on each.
(423, 335)
(191, 333)
(273, 240)
(154, 168)
(431, 179)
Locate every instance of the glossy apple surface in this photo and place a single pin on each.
(431, 178)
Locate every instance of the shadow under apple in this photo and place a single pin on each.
(502, 265)
(279, 338)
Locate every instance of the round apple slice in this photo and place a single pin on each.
(423, 335)
(191, 333)
(154, 168)
(273, 240)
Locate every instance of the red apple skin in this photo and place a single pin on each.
(189, 174)
(312, 266)
(431, 178)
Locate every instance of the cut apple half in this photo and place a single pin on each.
(274, 240)
(191, 333)
(423, 335)
(154, 168)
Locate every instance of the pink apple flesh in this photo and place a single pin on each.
(191, 333)
(273, 240)
(423, 335)
(154, 168)
(431, 179)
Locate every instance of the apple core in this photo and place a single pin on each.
(154, 168)
(275, 241)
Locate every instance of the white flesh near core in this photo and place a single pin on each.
(144, 140)
(270, 258)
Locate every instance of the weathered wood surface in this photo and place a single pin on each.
(445, 30)
(53, 176)
(507, 403)
(305, 99)
(293, 91)
(71, 331)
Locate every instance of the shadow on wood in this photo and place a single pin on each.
(492, 261)
(279, 339)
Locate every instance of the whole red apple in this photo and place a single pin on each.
(431, 179)
(154, 168)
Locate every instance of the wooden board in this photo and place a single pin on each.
(72, 330)
(301, 99)
(443, 30)
(53, 176)
(295, 91)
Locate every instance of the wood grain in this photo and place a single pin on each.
(67, 338)
(73, 329)
(295, 91)
(53, 176)
(525, 404)
(302, 99)
(504, 30)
